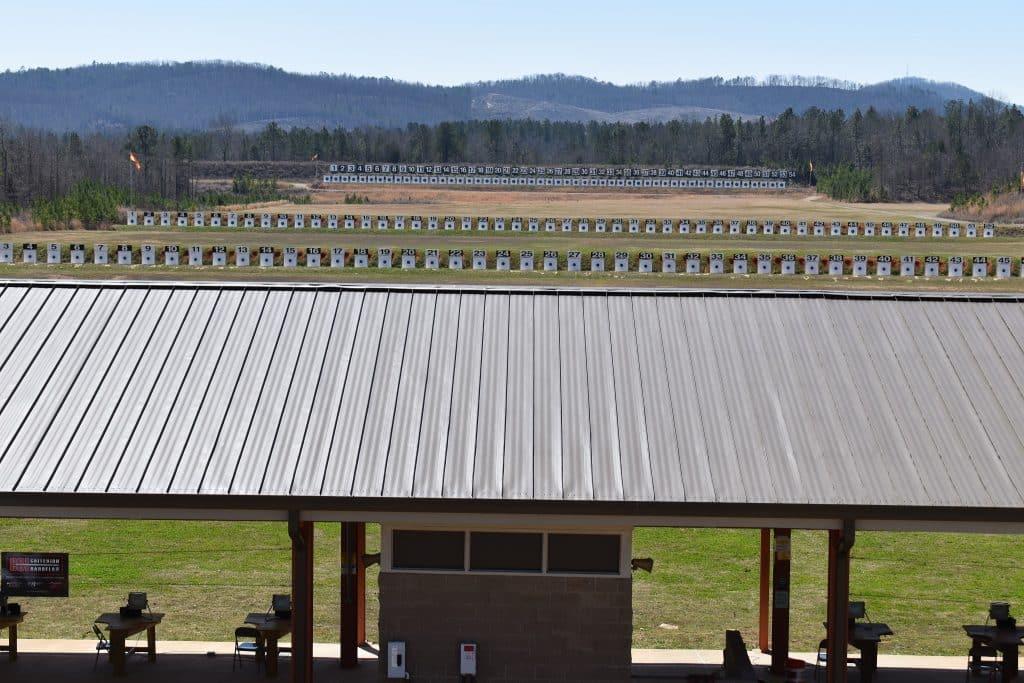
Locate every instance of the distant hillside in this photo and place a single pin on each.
(187, 96)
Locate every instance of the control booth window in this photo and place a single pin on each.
(583, 553)
(437, 550)
(508, 552)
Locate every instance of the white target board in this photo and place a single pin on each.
(931, 266)
(53, 253)
(466, 224)
(266, 257)
(787, 264)
(600, 225)
(432, 259)
(479, 259)
(989, 230)
(979, 266)
(786, 228)
(886, 229)
(1004, 267)
(399, 222)
(195, 255)
(290, 257)
(634, 226)
(574, 261)
(684, 227)
(432, 222)
(616, 225)
(526, 260)
(198, 219)
(650, 227)
(132, 218)
(971, 230)
(740, 264)
(835, 229)
(860, 265)
(455, 257)
(920, 230)
(249, 221)
(266, 220)
(182, 219)
(819, 229)
(883, 266)
(812, 264)
(716, 263)
(337, 257)
(954, 229)
(124, 254)
(701, 228)
(621, 262)
(219, 255)
(764, 264)
(365, 223)
(499, 224)
(668, 262)
(937, 230)
(242, 256)
(597, 261)
(908, 266)
(408, 259)
(869, 229)
(955, 266)
(416, 223)
(385, 257)
(692, 262)
(751, 228)
(215, 220)
(666, 226)
(903, 230)
(361, 258)
(76, 254)
(172, 255)
(449, 222)
(382, 222)
(550, 261)
(100, 255)
(517, 225)
(566, 225)
(148, 219)
(645, 262)
(768, 228)
(852, 229)
(232, 219)
(147, 255)
(801, 229)
(29, 253)
(165, 219)
(717, 228)
(503, 260)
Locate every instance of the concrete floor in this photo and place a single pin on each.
(42, 661)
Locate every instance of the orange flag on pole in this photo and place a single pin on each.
(135, 160)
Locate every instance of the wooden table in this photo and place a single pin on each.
(121, 628)
(270, 629)
(10, 622)
(1007, 641)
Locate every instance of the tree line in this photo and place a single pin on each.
(966, 149)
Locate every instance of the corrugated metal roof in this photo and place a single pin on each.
(491, 394)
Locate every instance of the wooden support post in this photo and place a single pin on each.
(301, 534)
(763, 633)
(353, 592)
(780, 601)
(840, 542)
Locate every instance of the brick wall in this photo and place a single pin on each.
(528, 628)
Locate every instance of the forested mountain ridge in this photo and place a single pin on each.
(190, 95)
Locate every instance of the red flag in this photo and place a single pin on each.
(135, 160)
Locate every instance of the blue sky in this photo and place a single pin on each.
(444, 41)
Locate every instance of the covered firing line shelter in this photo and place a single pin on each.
(509, 440)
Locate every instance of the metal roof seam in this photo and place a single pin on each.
(174, 400)
(70, 384)
(236, 384)
(259, 396)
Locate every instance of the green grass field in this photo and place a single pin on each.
(207, 576)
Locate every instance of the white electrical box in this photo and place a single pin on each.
(396, 659)
(467, 659)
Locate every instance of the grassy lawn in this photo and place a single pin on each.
(207, 576)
